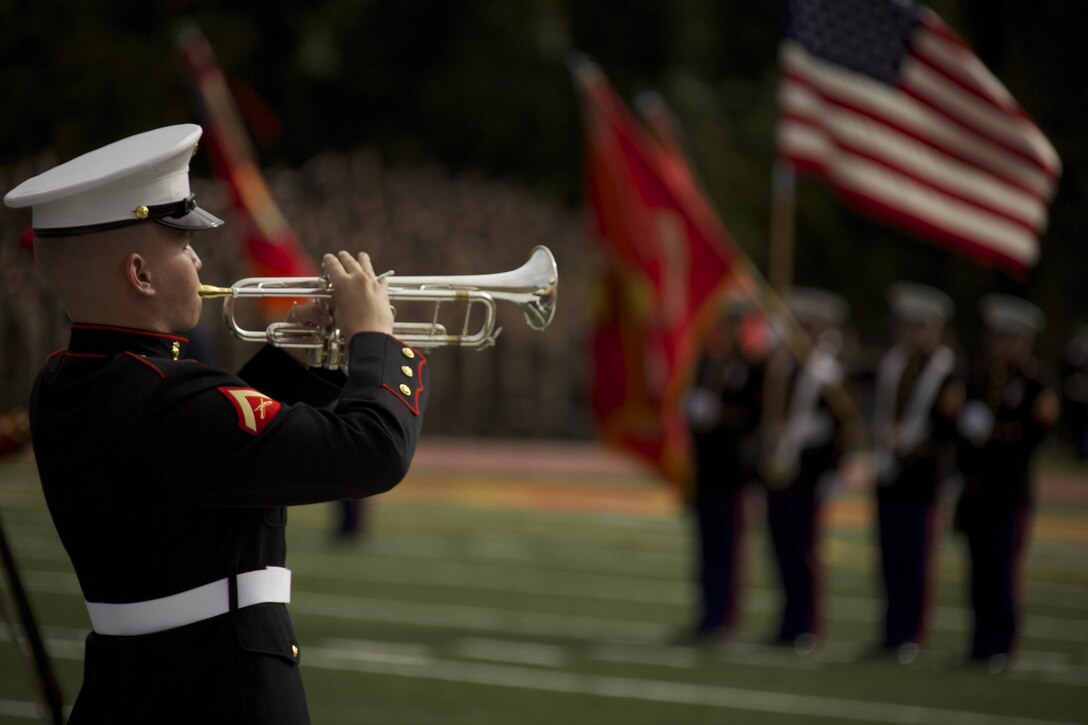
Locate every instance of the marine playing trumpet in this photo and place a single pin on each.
(532, 287)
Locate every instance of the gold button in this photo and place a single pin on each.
(175, 350)
(407, 352)
(294, 650)
(142, 212)
(405, 390)
(407, 371)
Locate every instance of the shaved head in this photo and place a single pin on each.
(142, 276)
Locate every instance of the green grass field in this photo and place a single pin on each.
(495, 591)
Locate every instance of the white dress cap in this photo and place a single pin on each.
(138, 178)
(913, 302)
(810, 305)
(1008, 315)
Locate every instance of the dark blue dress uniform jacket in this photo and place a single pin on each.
(163, 475)
(998, 474)
(997, 497)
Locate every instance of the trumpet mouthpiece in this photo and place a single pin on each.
(209, 292)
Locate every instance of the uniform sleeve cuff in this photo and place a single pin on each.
(401, 369)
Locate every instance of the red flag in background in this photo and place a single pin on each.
(666, 263)
(885, 102)
(272, 248)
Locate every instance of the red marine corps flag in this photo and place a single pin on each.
(885, 102)
(666, 258)
(271, 245)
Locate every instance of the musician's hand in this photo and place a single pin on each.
(360, 300)
(311, 313)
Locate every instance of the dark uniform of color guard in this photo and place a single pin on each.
(802, 447)
(723, 412)
(918, 395)
(1011, 405)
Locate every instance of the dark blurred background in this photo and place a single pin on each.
(444, 135)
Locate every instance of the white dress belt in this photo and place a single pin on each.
(271, 584)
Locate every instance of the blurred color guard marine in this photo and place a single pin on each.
(167, 479)
(917, 398)
(802, 445)
(1011, 406)
(723, 413)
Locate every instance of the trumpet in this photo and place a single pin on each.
(532, 287)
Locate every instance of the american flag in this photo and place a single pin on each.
(885, 102)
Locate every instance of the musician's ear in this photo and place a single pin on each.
(138, 274)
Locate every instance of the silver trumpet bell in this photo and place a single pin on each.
(532, 287)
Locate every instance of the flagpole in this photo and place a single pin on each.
(783, 195)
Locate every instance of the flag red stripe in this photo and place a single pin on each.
(974, 160)
(937, 212)
(1003, 101)
(952, 75)
(920, 223)
(844, 145)
(953, 116)
(975, 248)
(954, 68)
(906, 222)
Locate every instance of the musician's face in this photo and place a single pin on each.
(176, 270)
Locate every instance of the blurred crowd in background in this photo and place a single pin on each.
(414, 220)
(425, 220)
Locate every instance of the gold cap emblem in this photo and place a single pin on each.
(405, 390)
(141, 212)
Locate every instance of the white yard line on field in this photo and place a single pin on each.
(500, 650)
(679, 693)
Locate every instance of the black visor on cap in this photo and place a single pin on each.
(191, 217)
(195, 220)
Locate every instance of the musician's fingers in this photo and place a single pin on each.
(366, 264)
(333, 265)
(350, 264)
